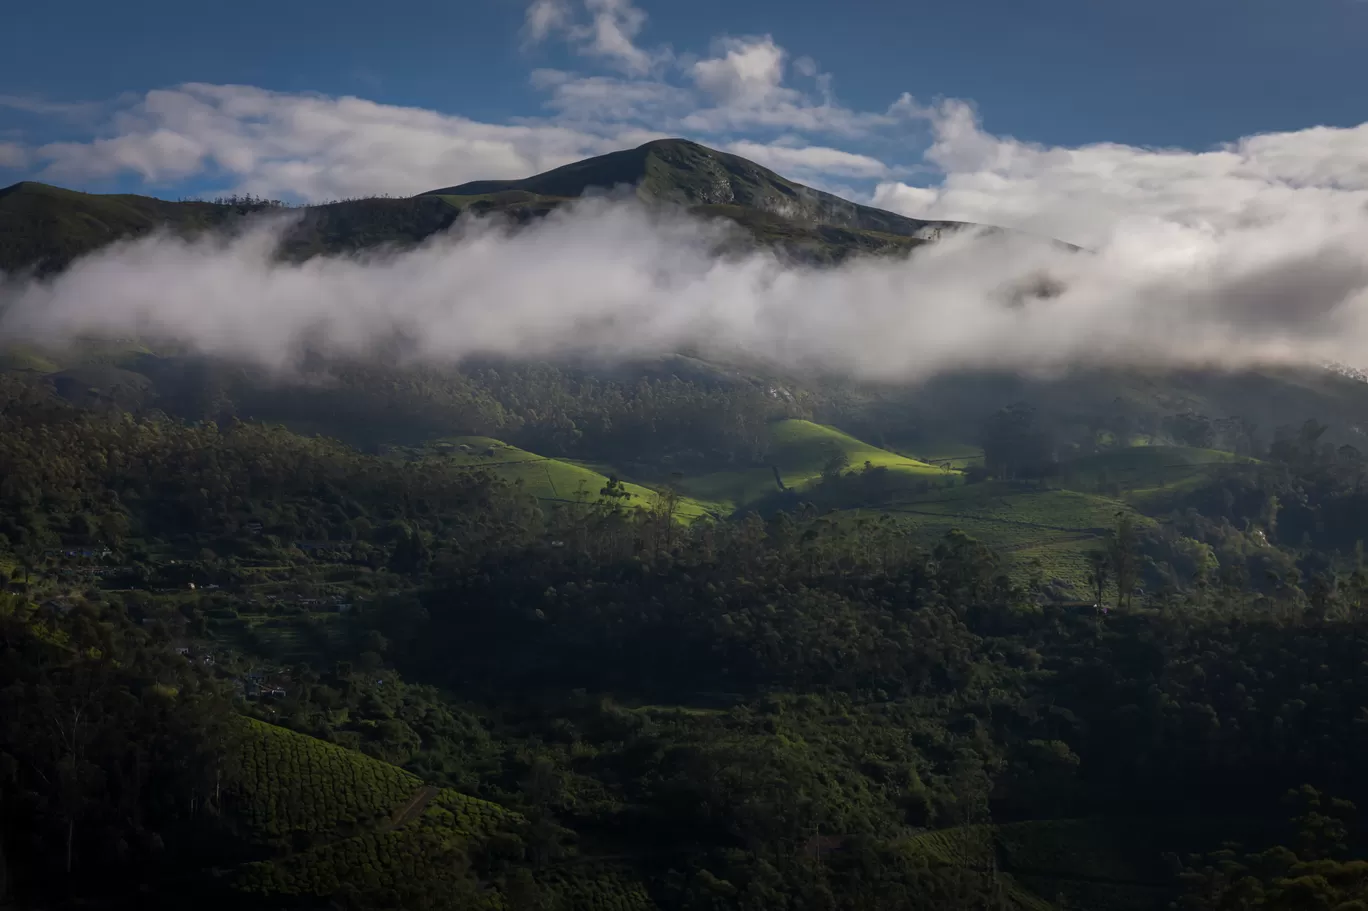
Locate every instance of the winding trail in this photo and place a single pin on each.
(411, 810)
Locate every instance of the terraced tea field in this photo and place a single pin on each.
(291, 783)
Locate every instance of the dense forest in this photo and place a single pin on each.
(247, 667)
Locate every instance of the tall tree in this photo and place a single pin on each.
(1099, 564)
(1122, 548)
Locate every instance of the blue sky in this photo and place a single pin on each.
(92, 94)
(1165, 72)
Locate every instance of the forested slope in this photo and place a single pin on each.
(492, 700)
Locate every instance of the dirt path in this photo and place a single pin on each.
(1029, 545)
(1020, 523)
(413, 809)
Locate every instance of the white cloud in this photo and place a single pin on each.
(597, 100)
(606, 31)
(544, 17)
(157, 155)
(748, 72)
(740, 87)
(611, 35)
(1096, 193)
(742, 96)
(818, 118)
(810, 160)
(313, 146)
(745, 83)
(618, 279)
(805, 66)
(12, 155)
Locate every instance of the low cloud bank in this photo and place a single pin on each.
(614, 279)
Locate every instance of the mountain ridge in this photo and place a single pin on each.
(46, 227)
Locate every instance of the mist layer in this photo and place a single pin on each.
(615, 279)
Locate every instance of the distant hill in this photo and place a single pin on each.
(46, 227)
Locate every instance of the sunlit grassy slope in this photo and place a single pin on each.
(1054, 528)
(1031, 510)
(1049, 528)
(942, 453)
(557, 479)
(799, 450)
(20, 357)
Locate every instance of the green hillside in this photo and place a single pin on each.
(798, 451)
(1151, 478)
(1011, 504)
(46, 227)
(26, 359)
(1104, 405)
(558, 480)
(1049, 528)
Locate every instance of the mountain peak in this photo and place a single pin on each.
(687, 173)
(33, 186)
(674, 142)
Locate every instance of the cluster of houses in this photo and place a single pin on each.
(252, 685)
(89, 553)
(93, 571)
(324, 545)
(188, 652)
(256, 685)
(85, 554)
